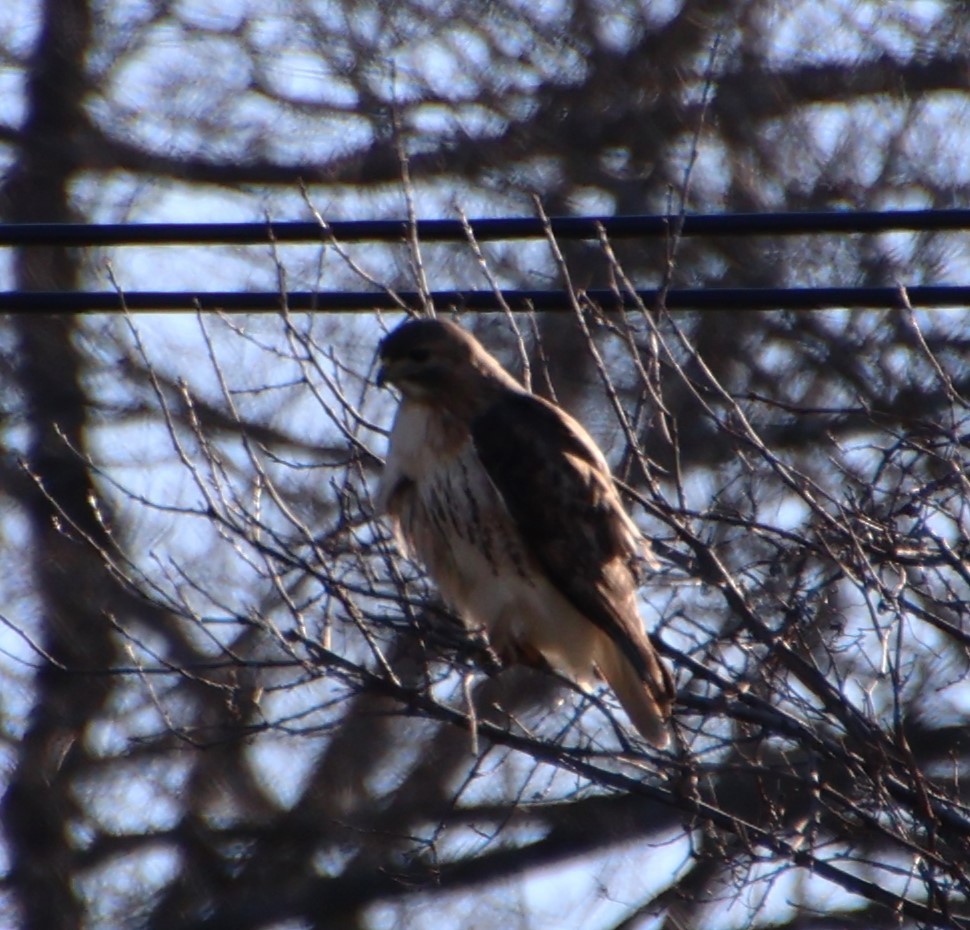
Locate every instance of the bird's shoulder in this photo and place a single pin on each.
(554, 480)
(522, 428)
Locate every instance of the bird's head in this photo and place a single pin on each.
(436, 361)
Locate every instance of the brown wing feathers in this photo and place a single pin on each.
(564, 506)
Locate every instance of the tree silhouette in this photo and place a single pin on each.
(230, 702)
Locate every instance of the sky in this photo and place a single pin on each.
(141, 456)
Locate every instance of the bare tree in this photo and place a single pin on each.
(229, 701)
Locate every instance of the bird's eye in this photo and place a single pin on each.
(419, 355)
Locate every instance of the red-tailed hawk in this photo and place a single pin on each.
(511, 507)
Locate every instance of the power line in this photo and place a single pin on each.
(446, 230)
(737, 298)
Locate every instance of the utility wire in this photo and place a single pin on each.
(575, 228)
(737, 298)
(563, 227)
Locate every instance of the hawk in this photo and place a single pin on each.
(511, 507)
